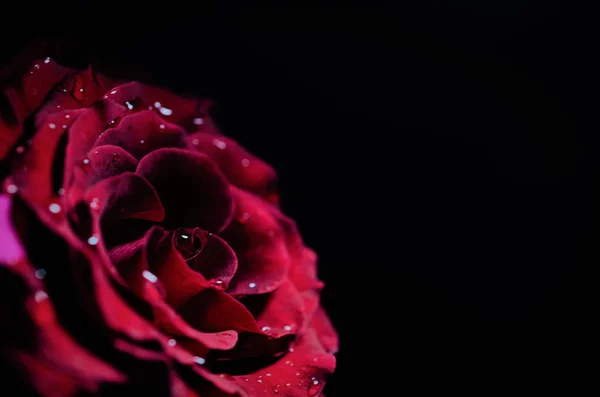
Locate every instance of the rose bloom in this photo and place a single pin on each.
(143, 252)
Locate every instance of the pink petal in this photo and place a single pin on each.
(241, 168)
(141, 133)
(257, 239)
(183, 176)
(11, 251)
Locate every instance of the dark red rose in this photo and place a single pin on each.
(145, 252)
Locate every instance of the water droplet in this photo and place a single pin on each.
(20, 149)
(157, 105)
(40, 274)
(268, 374)
(291, 349)
(276, 389)
(94, 204)
(113, 92)
(288, 327)
(54, 208)
(142, 141)
(246, 379)
(265, 328)
(81, 90)
(288, 384)
(245, 162)
(259, 381)
(165, 111)
(314, 388)
(297, 373)
(252, 285)
(93, 240)
(149, 276)
(198, 121)
(47, 60)
(115, 156)
(67, 116)
(64, 126)
(36, 66)
(12, 189)
(52, 125)
(195, 141)
(172, 342)
(162, 126)
(199, 360)
(86, 161)
(189, 243)
(219, 143)
(40, 296)
(61, 191)
(219, 284)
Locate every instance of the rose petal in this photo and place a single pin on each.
(141, 133)
(107, 161)
(11, 251)
(300, 373)
(325, 331)
(241, 168)
(132, 262)
(208, 254)
(84, 132)
(190, 113)
(256, 237)
(126, 196)
(183, 176)
(28, 89)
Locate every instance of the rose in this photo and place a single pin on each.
(145, 252)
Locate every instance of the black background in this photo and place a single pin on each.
(440, 157)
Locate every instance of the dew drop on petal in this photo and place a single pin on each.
(94, 204)
(12, 189)
(52, 125)
(115, 156)
(157, 105)
(259, 381)
(252, 285)
(219, 284)
(86, 161)
(36, 66)
(113, 92)
(149, 276)
(195, 141)
(219, 143)
(291, 349)
(54, 208)
(198, 121)
(268, 374)
(47, 60)
(276, 389)
(199, 360)
(314, 388)
(142, 141)
(93, 240)
(67, 116)
(245, 162)
(162, 126)
(40, 296)
(265, 328)
(172, 342)
(64, 126)
(287, 328)
(20, 149)
(165, 111)
(61, 191)
(40, 274)
(129, 105)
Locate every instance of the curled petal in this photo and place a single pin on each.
(141, 133)
(263, 259)
(180, 176)
(241, 168)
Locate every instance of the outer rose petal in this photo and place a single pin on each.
(178, 175)
(27, 91)
(12, 251)
(260, 244)
(325, 331)
(191, 113)
(300, 373)
(242, 168)
(141, 133)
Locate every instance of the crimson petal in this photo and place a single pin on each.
(263, 259)
(141, 133)
(242, 168)
(184, 176)
(106, 161)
